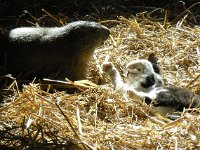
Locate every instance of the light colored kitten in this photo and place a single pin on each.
(145, 82)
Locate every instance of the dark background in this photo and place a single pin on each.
(12, 12)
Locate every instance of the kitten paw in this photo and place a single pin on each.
(131, 94)
(107, 67)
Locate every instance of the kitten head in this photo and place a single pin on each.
(142, 75)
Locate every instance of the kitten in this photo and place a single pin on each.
(144, 81)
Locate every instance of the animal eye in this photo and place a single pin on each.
(139, 69)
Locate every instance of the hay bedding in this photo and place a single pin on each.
(96, 116)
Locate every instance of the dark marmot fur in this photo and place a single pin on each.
(55, 53)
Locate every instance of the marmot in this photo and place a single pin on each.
(53, 52)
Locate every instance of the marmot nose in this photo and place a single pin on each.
(105, 31)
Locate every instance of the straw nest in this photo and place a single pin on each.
(96, 116)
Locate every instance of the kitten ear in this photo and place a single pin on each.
(134, 71)
(154, 61)
(130, 66)
(133, 68)
(152, 58)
